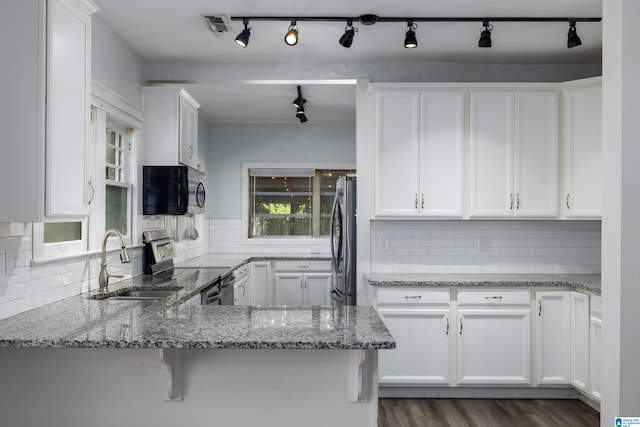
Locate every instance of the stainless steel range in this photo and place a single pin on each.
(159, 252)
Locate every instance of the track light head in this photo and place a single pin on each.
(410, 40)
(572, 37)
(291, 38)
(485, 35)
(347, 38)
(299, 101)
(243, 37)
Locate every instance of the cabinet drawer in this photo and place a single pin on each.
(415, 295)
(302, 266)
(495, 297)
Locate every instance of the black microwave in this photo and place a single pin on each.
(170, 190)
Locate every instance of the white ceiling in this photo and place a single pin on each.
(175, 31)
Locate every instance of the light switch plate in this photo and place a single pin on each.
(11, 262)
(483, 244)
(385, 244)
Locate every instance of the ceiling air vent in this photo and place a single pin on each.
(218, 24)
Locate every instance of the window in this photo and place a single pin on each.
(117, 185)
(291, 202)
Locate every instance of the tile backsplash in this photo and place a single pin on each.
(485, 246)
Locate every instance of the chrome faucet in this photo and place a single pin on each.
(103, 277)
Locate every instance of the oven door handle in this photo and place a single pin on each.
(213, 299)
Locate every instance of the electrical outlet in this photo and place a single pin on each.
(11, 262)
(385, 244)
(483, 244)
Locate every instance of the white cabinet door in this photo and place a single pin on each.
(583, 156)
(441, 154)
(242, 292)
(289, 289)
(536, 154)
(68, 100)
(553, 343)
(595, 360)
(580, 341)
(423, 347)
(261, 287)
(316, 289)
(22, 24)
(171, 123)
(514, 154)
(188, 133)
(494, 347)
(491, 154)
(397, 153)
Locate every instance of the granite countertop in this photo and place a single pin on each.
(584, 282)
(235, 261)
(85, 322)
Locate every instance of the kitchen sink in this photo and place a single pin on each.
(148, 294)
(138, 294)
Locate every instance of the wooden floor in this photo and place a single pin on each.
(485, 412)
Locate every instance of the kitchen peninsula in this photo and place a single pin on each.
(82, 361)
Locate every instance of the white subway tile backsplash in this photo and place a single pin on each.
(514, 246)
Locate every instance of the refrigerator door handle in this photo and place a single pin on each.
(336, 216)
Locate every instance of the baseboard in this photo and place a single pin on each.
(480, 392)
(589, 401)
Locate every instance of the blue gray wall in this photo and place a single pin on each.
(231, 145)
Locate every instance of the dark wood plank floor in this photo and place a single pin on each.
(485, 413)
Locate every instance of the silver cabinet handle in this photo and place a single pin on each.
(568, 207)
(499, 298)
(416, 202)
(422, 200)
(461, 326)
(415, 297)
(518, 201)
(539, 307)
(447, 333)
(511, 201)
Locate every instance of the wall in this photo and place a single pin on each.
(230, 145)
(513, 247)
(114, 65)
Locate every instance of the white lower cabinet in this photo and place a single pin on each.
(580, 341)
(553, 343)
(299, 289)
(242, 287)
(261, 283)
(494, 346)
(420, 322)
(595, 352)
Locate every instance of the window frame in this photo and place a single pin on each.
(281, 240)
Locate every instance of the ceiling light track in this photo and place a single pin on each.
(410, 41)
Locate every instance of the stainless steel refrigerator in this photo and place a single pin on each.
(343, 242)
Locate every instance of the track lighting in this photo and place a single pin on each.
(299, 101)
(572, 37)
(347, 38)
(291, 38)
(299, 104)
(485, 35)
(410, 40)
(243, 37)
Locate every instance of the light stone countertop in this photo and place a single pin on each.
(585, 282)
(84, 322)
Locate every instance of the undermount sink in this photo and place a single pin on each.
(138, 294)
(148, 294)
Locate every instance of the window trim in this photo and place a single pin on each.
(280, 240)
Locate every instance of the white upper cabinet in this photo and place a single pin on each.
(582, 154)
(171, 126)
(513, 154)
(45, 108)
(397, 153)
(419, 153)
